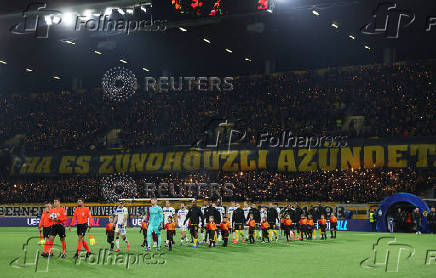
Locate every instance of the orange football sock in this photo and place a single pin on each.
(79, 246)
(85, 244)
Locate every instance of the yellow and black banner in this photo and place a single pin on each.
(414, 152)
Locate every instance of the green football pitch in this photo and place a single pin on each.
(350, 255)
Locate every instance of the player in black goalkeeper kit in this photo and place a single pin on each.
(194, 215)
(432, 220)
(208, 212)
(256, 215)
(238, 220)
(272, 216)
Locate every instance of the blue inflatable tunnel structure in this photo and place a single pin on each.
(396, 198)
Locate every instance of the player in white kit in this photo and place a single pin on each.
(246, 210)
(222, 211)
(181, 217)
(121, 215)
(168, 211)
(278, 221)
(230, 211)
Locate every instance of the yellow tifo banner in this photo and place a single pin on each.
(285, 160)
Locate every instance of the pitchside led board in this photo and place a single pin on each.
(29, 216)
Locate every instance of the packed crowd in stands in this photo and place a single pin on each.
(395, 101)
(357, 186)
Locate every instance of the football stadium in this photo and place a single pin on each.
(217, 138)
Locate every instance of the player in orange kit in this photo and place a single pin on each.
(110, 232)
(264, 226)
(44, 222)
(57, 217)
(302, 226)
(287, 226)
(309, 227)
(211, 228)
(225, 228)
(333, 225)
(322, 223)
(171, 232)
(143, 229)
(82, 216)
(251, 228)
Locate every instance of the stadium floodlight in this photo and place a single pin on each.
(183, 29)
(315, 12)
(352, 37)
(48, 20)
(229, 51)
(56, 77)
(3, 62)
(145, 69)
(68, 18)
(87, 14)
(97, 52)
(206, 40)
(108, 11)
(29, 69)
(123, 61)
(335, 25)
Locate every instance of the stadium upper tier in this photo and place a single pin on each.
(394, 100)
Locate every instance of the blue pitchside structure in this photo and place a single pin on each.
(397, 198)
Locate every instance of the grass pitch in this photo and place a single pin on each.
(339, 257)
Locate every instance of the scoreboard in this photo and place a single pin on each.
(217, 7)
(199, 7)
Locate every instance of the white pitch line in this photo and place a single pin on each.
(374, 234)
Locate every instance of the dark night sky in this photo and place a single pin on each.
(292, 38)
